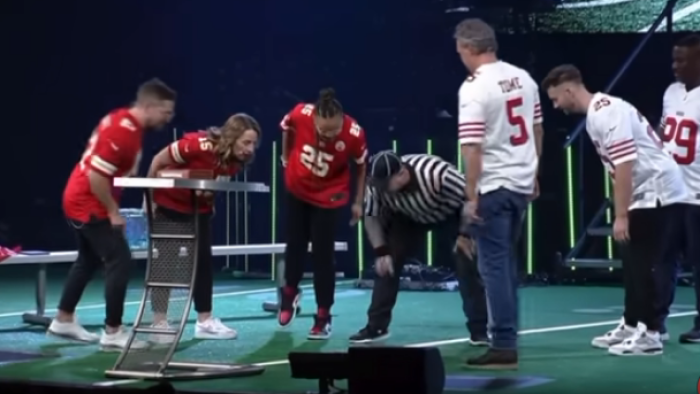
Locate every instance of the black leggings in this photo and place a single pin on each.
(309, 223)
(99, 243)
(653, 233)
(203, 290)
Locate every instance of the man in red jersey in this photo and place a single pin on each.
(92, 209)
(319, 141)
(224, 151)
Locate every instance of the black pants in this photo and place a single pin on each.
(203, 290)
(403, 237)
(99, 244)
(309, 223)
(653, 234)
(688, 250)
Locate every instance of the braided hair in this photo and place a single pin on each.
(327, 106)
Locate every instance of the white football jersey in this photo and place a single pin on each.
(498, 108)
(620, 134)
(681, 121)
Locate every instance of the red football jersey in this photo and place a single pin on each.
(114, 150)
(192, 152)
(318, 171)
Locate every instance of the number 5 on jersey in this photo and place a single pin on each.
(516, 120)
(318, 162)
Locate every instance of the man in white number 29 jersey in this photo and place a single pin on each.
(648, 191)
(679, 131)
(500, 136)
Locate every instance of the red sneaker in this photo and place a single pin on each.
(290, 304)
(321, 328)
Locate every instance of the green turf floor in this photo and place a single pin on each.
(557, 324)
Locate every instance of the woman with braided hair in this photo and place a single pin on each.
(224, 151)
(319, 143)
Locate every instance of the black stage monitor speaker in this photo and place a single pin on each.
(325, 368)
(404, 370)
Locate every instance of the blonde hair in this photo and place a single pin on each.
(230, 132)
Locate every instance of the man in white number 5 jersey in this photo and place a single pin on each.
(648, 189)
(680, 126)
(500, 135)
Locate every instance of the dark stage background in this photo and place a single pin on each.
(65, 64)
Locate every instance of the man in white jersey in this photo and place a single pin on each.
(500, 135)
(648, 191)
(679, 131)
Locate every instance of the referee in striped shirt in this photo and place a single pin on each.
(407, 197)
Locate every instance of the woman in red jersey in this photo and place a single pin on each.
(224, 151)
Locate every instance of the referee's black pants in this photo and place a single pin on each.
(403, 236)
(310, 223)
(653, 238)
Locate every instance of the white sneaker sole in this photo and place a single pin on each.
(635, 352)
(379, 338)
(69, 337)
(318, 337)
(214, 336)
(600, 344)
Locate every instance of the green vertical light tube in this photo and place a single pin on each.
(395, 146)
(429, 236)
(273, 206)
(529, 243)
(608, 211)
(570, 196)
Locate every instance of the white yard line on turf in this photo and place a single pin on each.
(445, 342)
(220, 295)
(677, 15)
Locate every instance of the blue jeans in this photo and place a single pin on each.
(501, 212)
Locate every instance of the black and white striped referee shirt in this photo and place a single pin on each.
(435, 192)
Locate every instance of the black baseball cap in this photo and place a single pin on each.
(382, 167)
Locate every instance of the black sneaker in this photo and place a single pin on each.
(495, 359)
(692, 336)
(369, 334)
(479, 340)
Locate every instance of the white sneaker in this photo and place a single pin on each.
(162, 339)
(614, 336)
(213, 329)
(642, 343)
(665, 337)
(72, 330)
(117, 341)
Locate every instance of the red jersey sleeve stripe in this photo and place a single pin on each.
(102, 166)
(623, 146)
(472, 124)
(361, 160)
(624, 158)
(284, 124)
(622, 155)
(466, 134)
(619, 144)
(174, 150)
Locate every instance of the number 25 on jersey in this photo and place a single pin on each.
(318, 162)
